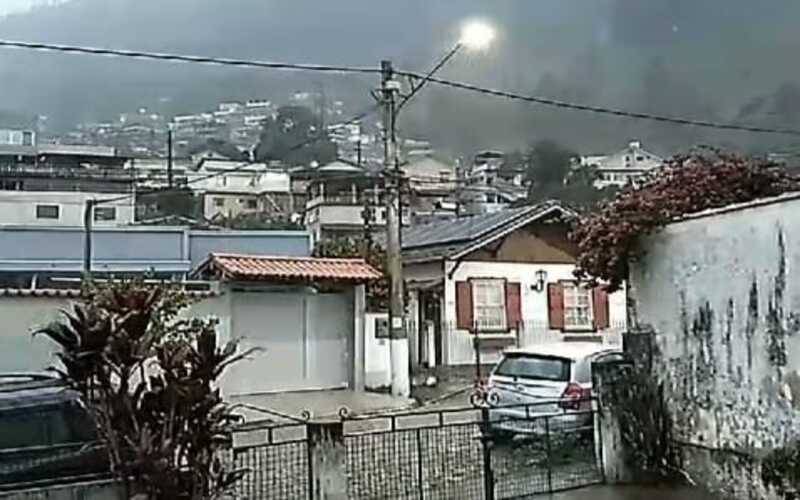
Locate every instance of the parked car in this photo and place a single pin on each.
(545, 388)
(46, 432)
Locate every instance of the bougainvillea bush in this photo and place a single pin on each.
(704, 179)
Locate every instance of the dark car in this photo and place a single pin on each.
(46, 432)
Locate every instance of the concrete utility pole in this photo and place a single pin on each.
(88, 218)
(398, 343)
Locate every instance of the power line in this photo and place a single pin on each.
(219, 61)
(601, 110)
(366, 70)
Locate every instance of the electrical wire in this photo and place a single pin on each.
(602, 110)
(410, 74)
(219, 61)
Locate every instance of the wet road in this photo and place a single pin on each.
(631, 493)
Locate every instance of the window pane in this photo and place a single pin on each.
(105, 213)
(47, 211)
(534, 367)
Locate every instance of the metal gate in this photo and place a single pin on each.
(484, 453)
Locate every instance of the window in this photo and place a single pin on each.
(534, 367)
(105, 214)
(47, 211)
(577, 307)
(251, 204)
(489, 304)
(219, 202)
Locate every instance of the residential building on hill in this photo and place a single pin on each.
(622, 167)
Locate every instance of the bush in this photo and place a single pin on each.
(687, 184)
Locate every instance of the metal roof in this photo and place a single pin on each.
(233, 267)
(454, 237)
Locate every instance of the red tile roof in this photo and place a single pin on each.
(234, 267)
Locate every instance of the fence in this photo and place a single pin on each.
(482, 453)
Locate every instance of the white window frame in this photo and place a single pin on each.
(572, 292)
(489, 317)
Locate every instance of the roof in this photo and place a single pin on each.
(456, 237)
(18, 391)
(236, 267)
(567, 350)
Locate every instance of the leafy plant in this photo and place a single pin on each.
(149, 378)
(373, 253)
(687, 184)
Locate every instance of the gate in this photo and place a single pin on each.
(482, 453)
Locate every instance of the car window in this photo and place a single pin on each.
(534, 367)
(23, 430)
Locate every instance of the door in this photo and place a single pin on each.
(272, 322)
(330, 339)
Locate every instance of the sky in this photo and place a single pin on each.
(686, 58)
(11, 6)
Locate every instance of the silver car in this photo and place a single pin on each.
(545, 388)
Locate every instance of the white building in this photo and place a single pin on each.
(622, 167)
(66, 209)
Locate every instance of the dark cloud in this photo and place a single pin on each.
(700, 58)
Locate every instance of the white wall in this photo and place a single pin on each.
(720, 293)
(535, 312)
(19, 208)
(377, 359)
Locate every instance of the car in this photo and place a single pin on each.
(46, 432)
(545, 388)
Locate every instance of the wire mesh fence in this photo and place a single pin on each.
(477, 453)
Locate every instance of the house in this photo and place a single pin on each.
(64, 208)
(41, 268)
(344, 200)
(230, 188)
(622, 167)
(490, 185)
(505, 278)
(432, 189)
(305, 315)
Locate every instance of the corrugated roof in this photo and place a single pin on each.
(234, 267)
(453, 237)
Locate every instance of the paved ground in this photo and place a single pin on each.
(321, 404)
(633, 492)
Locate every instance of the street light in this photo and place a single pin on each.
(477, 35)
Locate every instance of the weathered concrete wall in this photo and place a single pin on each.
(99, 490)
(722, 292)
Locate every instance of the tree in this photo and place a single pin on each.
(294, 137)
(607, 238)
(373, 253)
(257, 221)
(549, 166)
(149, 378)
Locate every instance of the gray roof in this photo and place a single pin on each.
(450, 238)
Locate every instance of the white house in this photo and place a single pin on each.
(505, 278)
(64, 208)
(622, 167)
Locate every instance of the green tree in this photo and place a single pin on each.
(373, 253)
(149, 378)
(294, 137)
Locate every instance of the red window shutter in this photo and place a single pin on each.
(513, 305)
(464, 305)
(555, 304)
(600, 307)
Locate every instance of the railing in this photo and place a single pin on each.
(483, 452)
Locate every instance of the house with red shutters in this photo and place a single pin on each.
(505, 278)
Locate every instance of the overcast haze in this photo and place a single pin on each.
(729, 60)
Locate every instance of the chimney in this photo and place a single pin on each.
(635, 145)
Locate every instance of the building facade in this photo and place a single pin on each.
(622, 167)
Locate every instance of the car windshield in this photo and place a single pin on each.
(534, 367)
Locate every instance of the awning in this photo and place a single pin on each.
(234, 267)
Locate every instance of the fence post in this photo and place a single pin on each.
(328, 461)
(486, 445)
(549, 454)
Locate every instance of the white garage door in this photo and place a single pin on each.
(304, 341)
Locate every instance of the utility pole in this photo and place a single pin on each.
(398, 343)
(88, 218)
(169, 157)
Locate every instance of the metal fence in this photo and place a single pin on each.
(481, 453)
